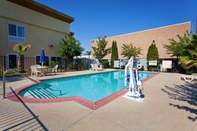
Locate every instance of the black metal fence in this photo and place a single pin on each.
(11, 62)
(2, 64)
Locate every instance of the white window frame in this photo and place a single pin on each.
(16, 38)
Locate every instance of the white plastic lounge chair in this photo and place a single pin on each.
(34, 70)
(54, 69)
(189, 78)
(100, 68)
(93, 68)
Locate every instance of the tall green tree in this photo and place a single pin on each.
(114, 53)
(152, 54)
(129, 50)
(70, 47)
(21, 49)
(178, 47)
(189, 59)
(100, 49)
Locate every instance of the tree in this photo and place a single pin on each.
(152, 54)
(129, 50)
(114, 53)
(21, 49)
(100, 49)
(178, 48)
(70, 47)
(189, 60)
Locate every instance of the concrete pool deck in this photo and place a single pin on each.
(170, 105)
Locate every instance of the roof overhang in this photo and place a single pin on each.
(33, 5)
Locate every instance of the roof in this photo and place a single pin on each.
(33, 5)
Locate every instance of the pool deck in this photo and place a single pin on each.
(170, 104)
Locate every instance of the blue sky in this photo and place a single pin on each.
(95, 18)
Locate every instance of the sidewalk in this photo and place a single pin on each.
(170, 105)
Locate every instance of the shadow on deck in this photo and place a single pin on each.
(17, 116)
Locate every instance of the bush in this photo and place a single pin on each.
(191, 71)
(154, 68)
(105, 64)
(122, 67)
(71, 66)
(170, 70)
(153, 54)
(80, 67)
(53, 63)
(142, 69)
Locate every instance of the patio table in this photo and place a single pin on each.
(42, 69)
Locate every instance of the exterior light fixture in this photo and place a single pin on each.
(50, 45)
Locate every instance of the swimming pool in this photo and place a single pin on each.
(92, 87)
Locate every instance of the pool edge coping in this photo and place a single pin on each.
(91, 105)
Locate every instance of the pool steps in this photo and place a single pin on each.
(41, 93)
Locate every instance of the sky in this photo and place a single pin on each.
(99, 18)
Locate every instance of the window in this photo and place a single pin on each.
(46, 59)
(12, 58)
(56, 59)
(16, 33)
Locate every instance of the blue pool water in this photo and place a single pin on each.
(92, 87)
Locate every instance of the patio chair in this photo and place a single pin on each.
(100, 68)
(34, 70)
(93, 68)
(54, 69)
(189, 78)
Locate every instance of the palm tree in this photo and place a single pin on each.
(21, 49)
(190, 59)
(178, 47)
(88, 53)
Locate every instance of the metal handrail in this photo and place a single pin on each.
(4, 77)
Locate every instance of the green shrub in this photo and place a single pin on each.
(53, 63)
(153, 54)
(142, 69)
(114, 53)
(170, 70)
(191, 71)
(11, 73)
(105, 64)
(71, 66)
(122, 67)
(154, 68)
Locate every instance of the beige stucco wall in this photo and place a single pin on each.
(144, 39)
(40, 30)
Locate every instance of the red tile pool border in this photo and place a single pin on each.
(91, 105)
